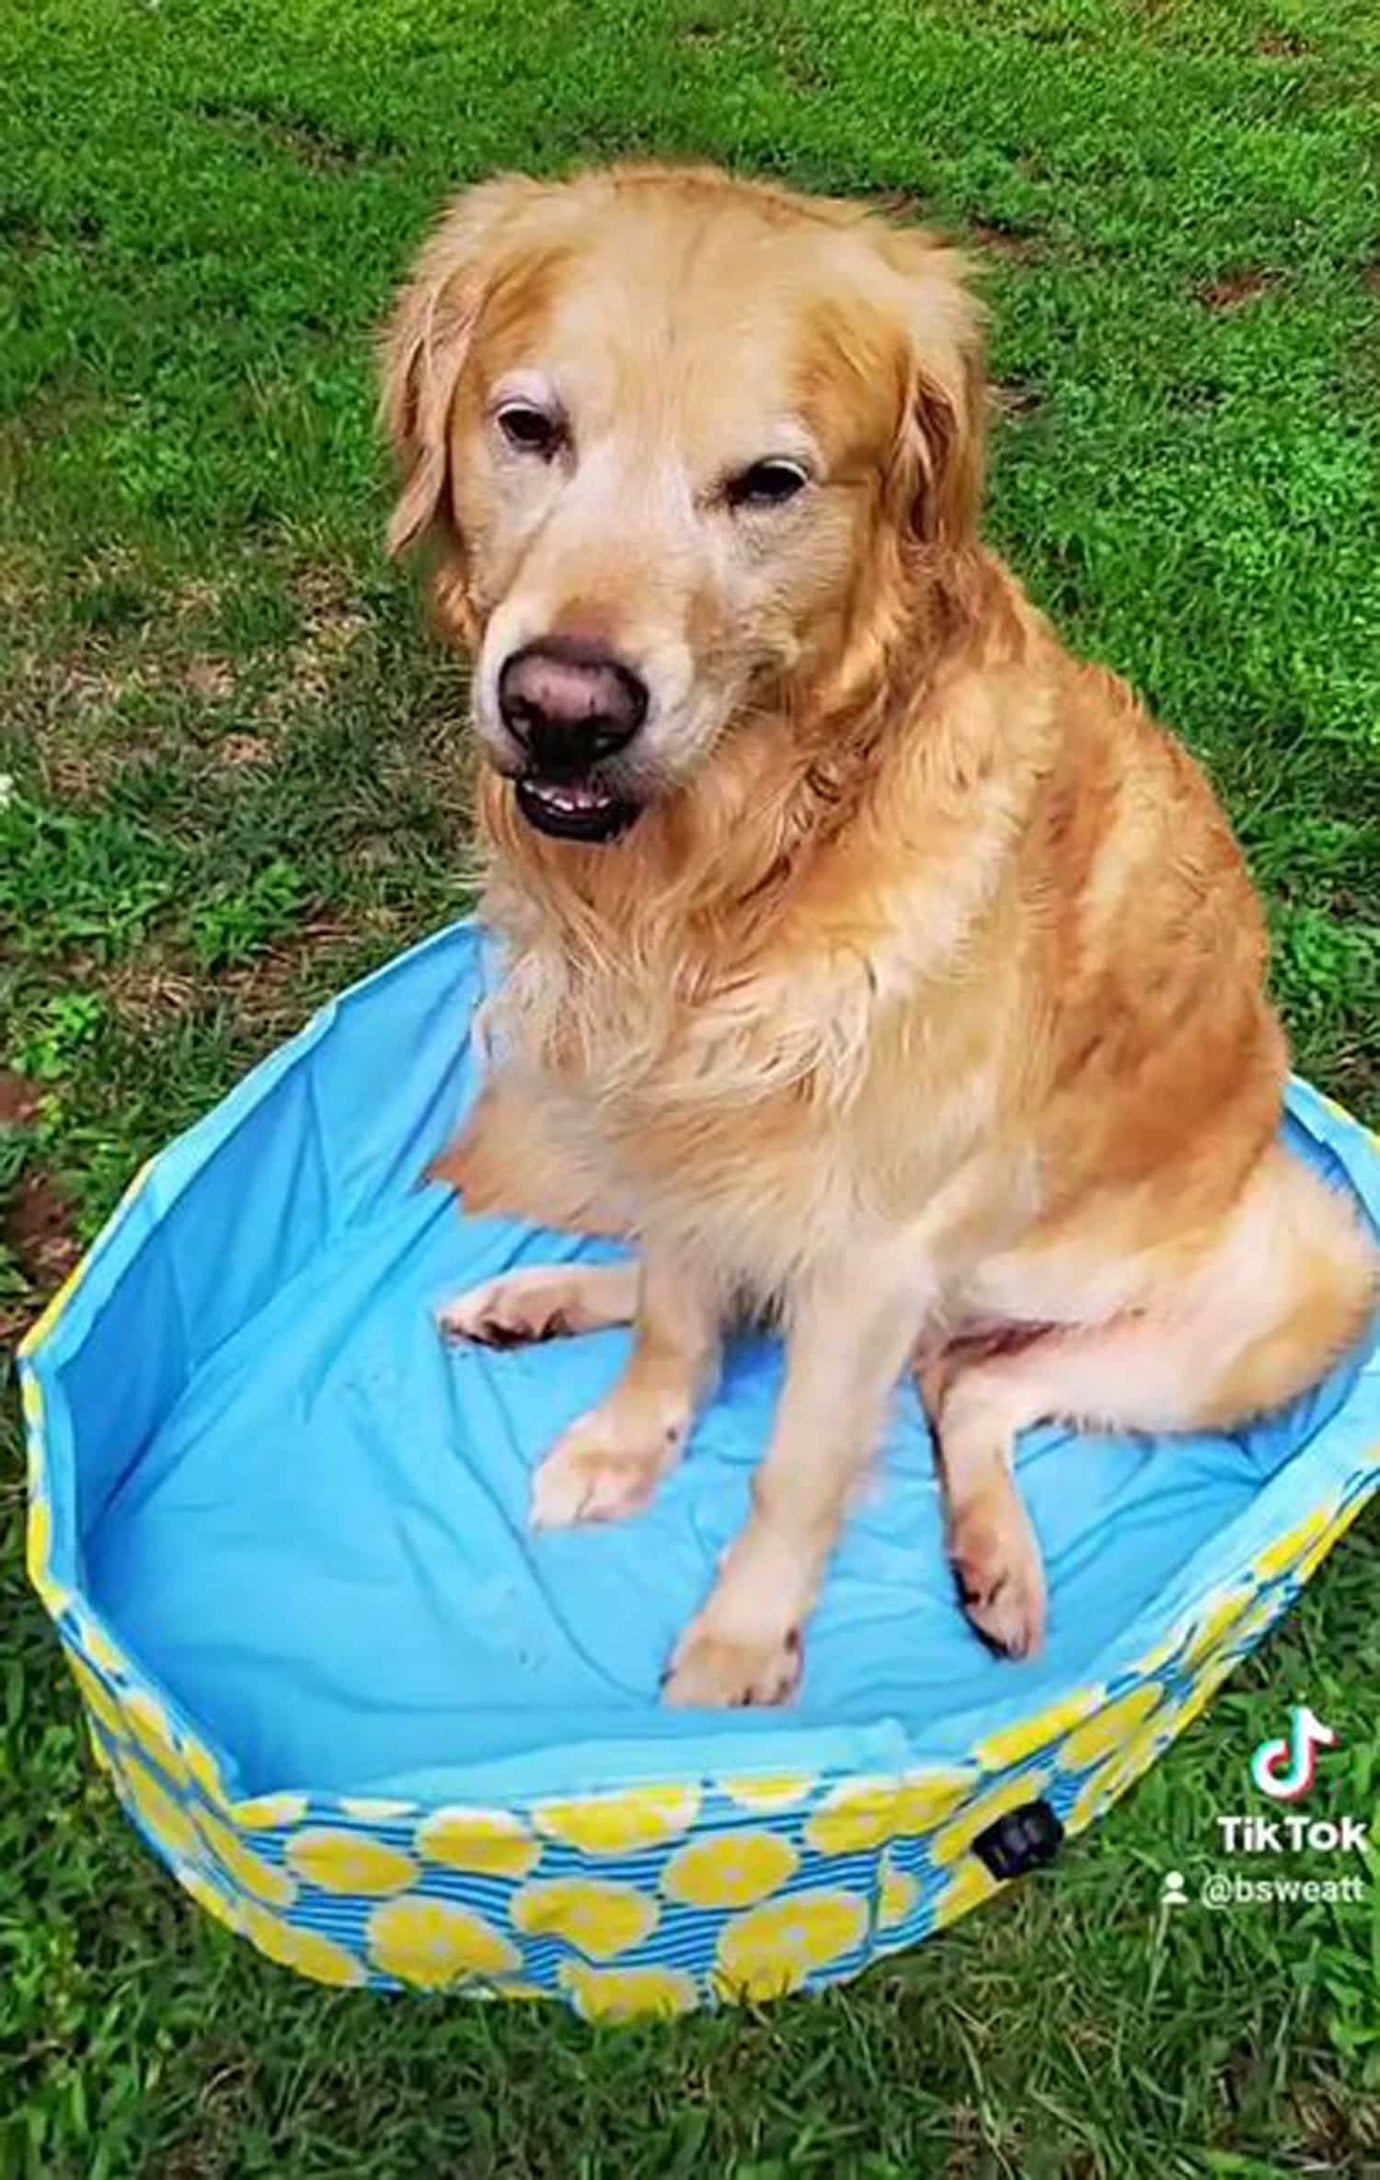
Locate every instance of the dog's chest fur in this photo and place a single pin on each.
(762, 1125)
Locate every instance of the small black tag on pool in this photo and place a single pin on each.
(1024, 1839)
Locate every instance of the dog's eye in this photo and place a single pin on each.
(767, 484)
(529, 430)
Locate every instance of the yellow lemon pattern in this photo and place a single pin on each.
(954, 1838)
(167, 1820)
(487, 1842)
(973, 1883)
(766, 1795)
(1286, 1552)
(249, 1871)
(926, 1798)
(1014, 1743)
(637, 1902)
(350, 1862)
(97, 1697)
(1151, 1724)
(619, 1824)
(1099, 1790)
(741, 1910)
(39, 1548)
(205, 1771)
(270, 1812)
(626, 1994)
(101, 1650)
(206, 1895)
(1253, 1624)
(1108, 1728)
(864, 1813)
(436, 1943)
(1316, 1552)
(307, 1951)
(1215, 1624)
(1112, 1778)
(897, 1899)
(601, 1918)
(859, 1814)
(771, 1950)
(47, 1324)
(729, 1869)
(148, 1723)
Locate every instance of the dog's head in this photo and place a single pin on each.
(667, 428)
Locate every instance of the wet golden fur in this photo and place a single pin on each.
(924, 1004)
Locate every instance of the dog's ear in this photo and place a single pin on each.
(427, 340)
(941, 446)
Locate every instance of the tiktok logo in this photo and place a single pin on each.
(1285, 1769)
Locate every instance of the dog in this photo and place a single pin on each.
(874, 966)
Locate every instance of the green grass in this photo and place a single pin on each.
(238, 779)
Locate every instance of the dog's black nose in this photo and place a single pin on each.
(568, 703)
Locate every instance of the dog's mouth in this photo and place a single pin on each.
(575, 809)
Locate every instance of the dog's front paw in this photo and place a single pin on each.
(999, 1573)
(718, 1672)
(513, 1311)
(607, 1465)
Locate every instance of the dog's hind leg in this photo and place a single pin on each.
(1288, 1285)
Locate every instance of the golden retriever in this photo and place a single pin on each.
(873, 964)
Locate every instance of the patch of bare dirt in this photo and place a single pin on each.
(902, 205)
(109, 564)
(38, 1232)
(159, 985)
(967, 2156)
(332, 623)
(442, 759)
(210, 679)
(1017, 397)
(300, 136)
(85, 737)
(19, 584)
(999, 240)
(100, 707)
(235, 752)
(150, 992)
(94, 685)
(80, 774)
(70, 777)
(330, 608)
(19, 1099)
(1341, 2132)
(196, 598)
(1236, 290)
(996, 237)
(72, 709)
(274, 993)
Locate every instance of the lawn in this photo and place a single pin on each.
(232, 776)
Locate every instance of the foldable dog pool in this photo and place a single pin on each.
(377, 1726)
